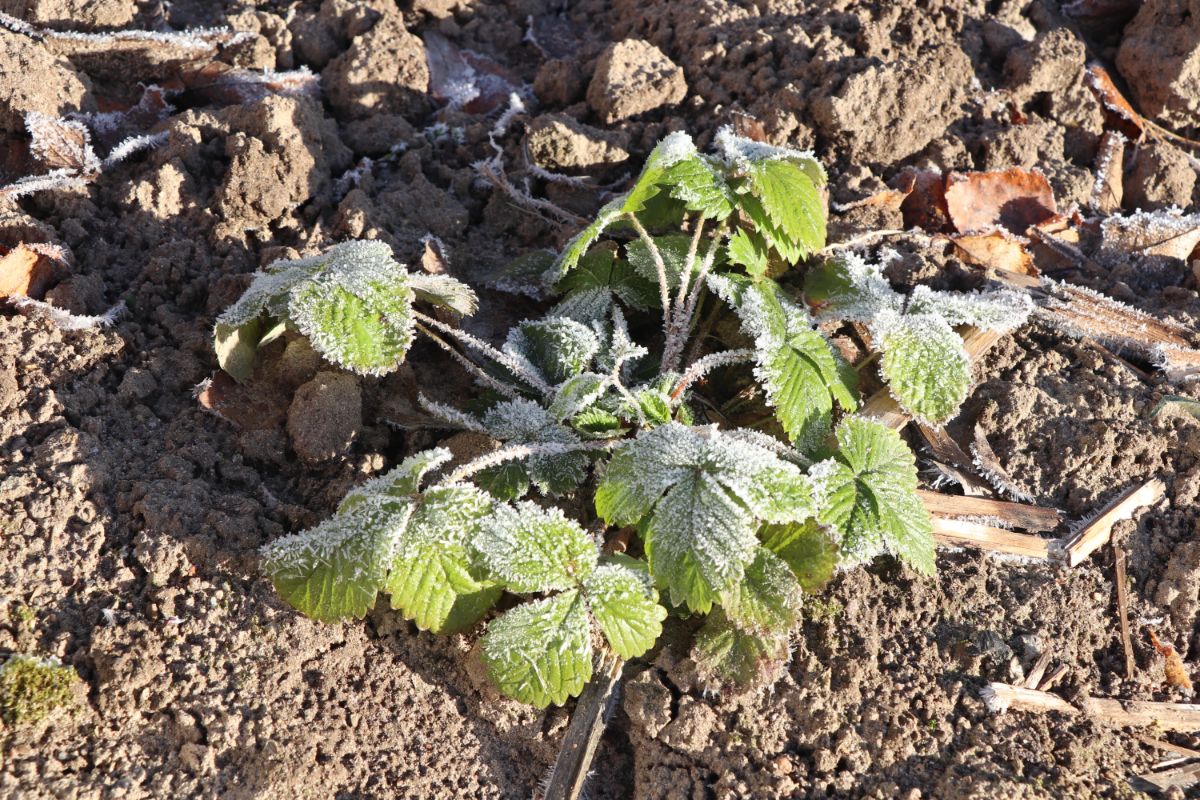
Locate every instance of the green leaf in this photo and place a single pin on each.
(806, 548)
(671, 151)
(597, 423)
(335, 570)
(357, 310)
(673, 248)
(1001, 310)
(577, 393)
(696, 494)
(504, 482)
(541, 652)
(533, 549)
(749, 250)
(846, 287)
(925, 364)
(625, 605)
(867, 492)
(558, 348)
(792, 203)
(767, 598)
(579, 245)
(444, 291)
(655, 405)
(432, 580)
(237, 347)
(523, 421)
(727, 654)
(697, 184)
(601, 279)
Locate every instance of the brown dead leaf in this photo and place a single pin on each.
(1175, 670)
(1109, 188)
(23, 271)
(997, 249)
(61, 144)
(748, 126)
(1012, 198)
(924, 204)
(221, 83)
(250, 406)
(464, 79)
(1152, 233)
(433, 259)
(1118, 113)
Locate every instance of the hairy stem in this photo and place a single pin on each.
(470, 366)
(664, 290)
(515, 451)
(682, 322)
(688, 265)
(707, 364)
(500, 357)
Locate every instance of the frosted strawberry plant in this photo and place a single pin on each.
(605, 505)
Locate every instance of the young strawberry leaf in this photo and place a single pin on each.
(867, 493)
(523, 421)
(541, 652)
(600, 280)
(792, 204)
(532, 549)
(576, 394)
(555, 347)
(700, 185)
(806, 548)
(432, 580)
(625, 604)
(847, 287)
(398, 483)
(444, 291)
(767, 598)
(727, 654)
(925, 364)
(750, 251)
(696, 494)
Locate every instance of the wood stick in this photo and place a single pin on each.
(960, 533)
(884, 407)
(1169, 747)
(1019, 515)
(1123, 611)
(1182, 776)
(1054, 677)
(1001, 697)
(1098, 531)
(574, 761)
(1039, 669)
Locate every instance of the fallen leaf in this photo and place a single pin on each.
(1167, 232)
(997, 249)
(1118, 113)
(217, 82)
(248, 406)
(433, 258)
(748, 126)
(23, 271)
(1109, 187)
(1176, 403)
(1175, 670)
(1013, 198)
(924, 205)
(464, 79)
(61, 144)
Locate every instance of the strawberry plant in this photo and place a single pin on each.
(685, 297)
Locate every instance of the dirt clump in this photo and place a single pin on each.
(325, 416)
(1158, 60)
(558, 142)
(383, 72)
(633, 77)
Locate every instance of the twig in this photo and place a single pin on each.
(1019, 515)
(1169, 747)
(470, 366)
(582, 738)
(1123, 611)
(960, 533)
(1001, 697)
(501, 358)
(1093, 535)
(1039, 669)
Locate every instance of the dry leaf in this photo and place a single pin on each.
(1109, 188)
(997, 249)
(1118, 113)
(61, 144)
(464, 79)
(433, 258)
(23, 271)
(1167, 232)
(249, 406)
(924, 205)
(217, 82)
(1176, 671)
(748, 126)
(1012, 198)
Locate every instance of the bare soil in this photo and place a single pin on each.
(130, 517)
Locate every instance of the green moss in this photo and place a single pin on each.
(30, 688)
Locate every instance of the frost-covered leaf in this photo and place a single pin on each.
(625, 604)
(600, 279)
(579, 245)
(924, 362)
(444, 291)
(867, 492)
(673, 248)
(556, 347)
(793, 206)
(696, 494)
(541, 652)
(798, 368)
(806, 548)
(1001, 310)
(768, 596)
(432, 579)
(750, 251)
(847, 287)
(726, 654)
(576, 394)
(507, 481)
(335, 570)
(597, 423)
(672, 150)
(533, 549)
(398, 483)
(523, 421)
(700, 186)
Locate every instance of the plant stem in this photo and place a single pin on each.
(470, 366)
(688, 265)
(664, 289)
(501, 358)
(579, 745)
(681, 323)
(515, 451)
(705, 365)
